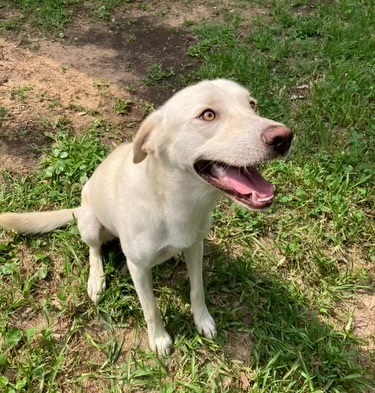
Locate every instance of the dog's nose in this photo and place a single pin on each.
(278, 137)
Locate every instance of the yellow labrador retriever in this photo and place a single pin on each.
(157, 194)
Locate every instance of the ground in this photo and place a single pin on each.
(82, 75)
(116, 71)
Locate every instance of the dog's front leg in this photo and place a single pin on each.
(202, 318)
(96, 281)
(160, 341)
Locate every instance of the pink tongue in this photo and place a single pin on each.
(247, 183)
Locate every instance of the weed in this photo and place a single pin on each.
(148, 107)
(105, 8)
(128, 67)
(10, 25)
(131, 89)
(5, 114)
(123, 107)
(157, 73)
(20, 93)
(130, 38)
(72, 160)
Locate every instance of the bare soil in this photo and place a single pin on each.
(81, 75)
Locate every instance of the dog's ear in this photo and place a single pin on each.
(141, 143)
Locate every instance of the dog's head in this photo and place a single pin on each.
(214, 130)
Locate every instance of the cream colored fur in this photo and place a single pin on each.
(148, 194)
(37, 222)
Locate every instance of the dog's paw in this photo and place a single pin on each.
(161, 344)
(95, 287)
(206, 326)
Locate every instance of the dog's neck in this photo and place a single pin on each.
(176, 192)
(182, 204)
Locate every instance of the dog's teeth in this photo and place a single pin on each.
(265, 199)
(219, 172)
(255, 198)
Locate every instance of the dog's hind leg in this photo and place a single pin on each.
(94, 235)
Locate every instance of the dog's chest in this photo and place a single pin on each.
(165, 253)
(187, 227)
(177, 239)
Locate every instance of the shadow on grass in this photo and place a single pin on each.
(26, 141)
(287, 336)
(263, 321)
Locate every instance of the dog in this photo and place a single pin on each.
(157, 193)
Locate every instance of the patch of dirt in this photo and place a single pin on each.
(122, 55)
(81, 77)
(362, 307)
(36, 92)
(363, 310)
(139, 55)
(239, 347)
(360, 317)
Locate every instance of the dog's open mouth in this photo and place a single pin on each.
(245, 185)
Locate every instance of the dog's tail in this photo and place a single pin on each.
(37, 222)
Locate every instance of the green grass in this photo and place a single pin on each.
(157, 73)
(53, 16)
(276, 283)
(20, 94)
(5, 115)
(123, 107)
(50, 15)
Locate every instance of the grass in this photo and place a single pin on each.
(4, 115)
(157, 73)
(123, 107)
(277, 283)
(20, 94)
(52, 16)
(48, 14)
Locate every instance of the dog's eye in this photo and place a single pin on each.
(253, 105)
(208, 115)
